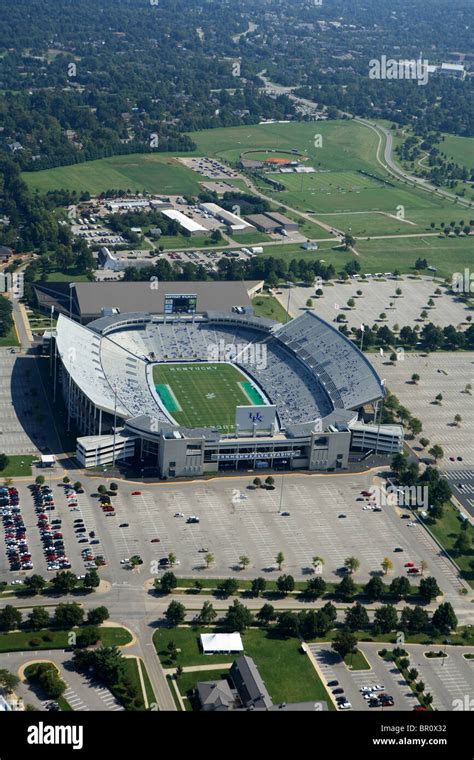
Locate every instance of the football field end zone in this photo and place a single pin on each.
(168, 398)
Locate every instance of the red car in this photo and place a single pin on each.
(58, 535)
(413, 571)
(419, 708)
(136, 493)
(409, 564)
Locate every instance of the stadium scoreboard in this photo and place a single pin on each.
(180, 303)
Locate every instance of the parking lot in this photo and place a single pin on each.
(23, 413)
(383, 674)
(462, 486)
(440, 372)
(235, 521)
(449, 679)
(379, 296)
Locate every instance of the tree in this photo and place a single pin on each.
(175, 614)
(374, 588)
(357, 617)
(444, 619)
(313, 623)
(47, 676)
(172, 650)
(346, 588)
(423, 566)
(352, 564)
(167, 582)
(207, 614)
(285, 584)
(309, 304)
(257, 482)
(238, 617)
(35, 583)
(279, 559)
(415, 378)
(266, 614)
(463, 542)
(424, 442)
(68, 615)
(77, 485)
(270, 480)
(386, 565)
(436, 452)
(385, 618)
(400, 587)
(258, 586)
(114, 487)
(344, 643)
(457, 419)
(228, 587)
(66, 480)
(97, 615)
(88, 636)
(172, 559)
(91, 579)
(244, 561)
(412, 674)
(208, 559)
(39, 618)
(287, 624)
(8, 681)
(39, 480)
(102, 489)
(65, 582)
(10, 618)
(429, 589)
(315, 587)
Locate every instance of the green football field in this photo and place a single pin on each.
(204, 394)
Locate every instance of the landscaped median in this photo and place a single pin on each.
(287, 672)
(50, 638)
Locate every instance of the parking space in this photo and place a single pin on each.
(23, 409)
(383, 678)
(379, 296)
(235, 520)
(462, 486)
(445, 373)
(450, 680)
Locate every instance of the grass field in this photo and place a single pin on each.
(446, 530)
(18, 465)
(10, 339)
(268, 306)
(288, 674)
(459, 149)
(154, 172)
(357, 661)
(203, 394)
(17, 641)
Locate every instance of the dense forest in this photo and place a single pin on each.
(91, 79)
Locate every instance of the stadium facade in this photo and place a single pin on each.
(314, 381)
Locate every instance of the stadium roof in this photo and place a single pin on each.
(89, 298)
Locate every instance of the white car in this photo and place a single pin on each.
(345, 706)
(411, 524)
(124, 561)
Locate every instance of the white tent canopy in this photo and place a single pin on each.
(213, 643)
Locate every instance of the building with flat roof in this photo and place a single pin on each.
(263, 222)
(234, 222)
(283, 221)
(88, 300)
(192, 227)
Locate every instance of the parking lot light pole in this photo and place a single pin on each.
(281, 494)
(446, 642)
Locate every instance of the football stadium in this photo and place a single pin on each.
(187, 390)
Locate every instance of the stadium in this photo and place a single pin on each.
(191, 391)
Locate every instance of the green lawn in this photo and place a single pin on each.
(203, 394)
(288, 674)
(154, 172)
(446, 530)
(150, 694)
(10, 338)
(269, 306)
(17, 641)
(19, 465)
(250, 238)
(170, 242)
(357, 661)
